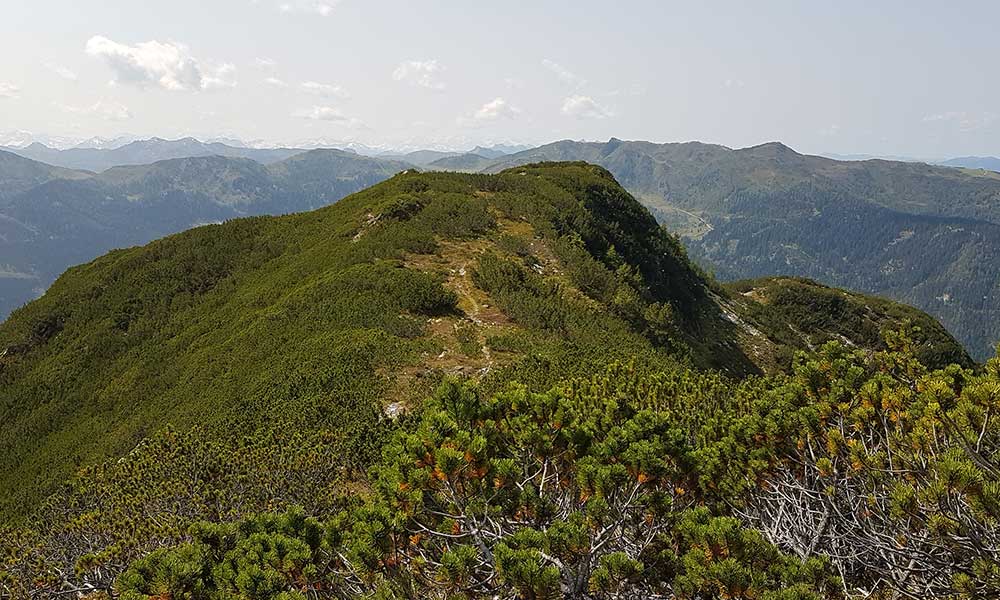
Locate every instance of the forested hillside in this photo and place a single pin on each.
(923, 235)
(51, 219)
(234, 372)
(18, 174)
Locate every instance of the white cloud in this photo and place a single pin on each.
(830, 130)
(496, 109)
(223, 76)
(734, 83)
(9, 90)
(329, 114)
(636, 89)
(563, 74)
(321, 113)
(164, 64)
(964, 121)
(946, 116)
(423, 73)
(108, 110)
(275, 82)
(325, 89)
(61, 71)
(585, 107)
(265, 63)
(323, 8)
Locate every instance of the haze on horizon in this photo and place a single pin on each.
(906, 78)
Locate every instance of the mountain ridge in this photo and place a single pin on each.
(140, 152)
(544, 271)
(705, 193)
(922, 234)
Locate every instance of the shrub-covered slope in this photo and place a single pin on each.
(858, 475)
(542, 271)
(795, 314)
(266, 362)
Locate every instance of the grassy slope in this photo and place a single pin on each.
(321, 320)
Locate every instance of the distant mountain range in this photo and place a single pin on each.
(18, 175)
(462, 162)
(141, 152)
(52, 218)
(438, 159)
(893, 157)
(99, 154)
(990, 163)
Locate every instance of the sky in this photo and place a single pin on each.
(891, 77)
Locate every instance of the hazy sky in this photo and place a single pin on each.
(908, 77)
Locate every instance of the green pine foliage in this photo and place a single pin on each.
(858, 475)
(887, 467)
(570, 493)
(819, 314)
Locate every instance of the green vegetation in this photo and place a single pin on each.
(678, 484)
(916, 449)
(464, 162)
(241, 411)
(797, 311)
(570, 493)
